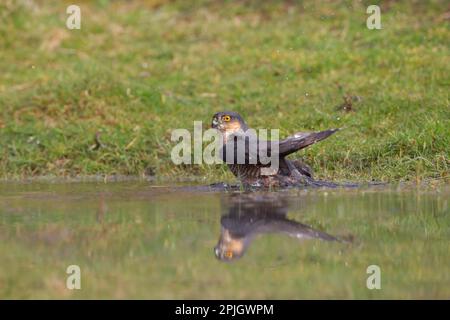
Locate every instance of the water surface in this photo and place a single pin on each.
(135, 240)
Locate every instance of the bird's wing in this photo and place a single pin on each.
(301, 140)
(290, 227)
(245, 150)
(252, 151)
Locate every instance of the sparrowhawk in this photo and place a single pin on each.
(233, 129)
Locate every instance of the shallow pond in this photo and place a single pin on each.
(136, 240)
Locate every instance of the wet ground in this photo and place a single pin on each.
(136, 240)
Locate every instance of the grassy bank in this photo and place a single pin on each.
(137, 70)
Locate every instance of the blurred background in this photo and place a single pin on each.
(103, 100)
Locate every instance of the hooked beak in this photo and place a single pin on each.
(217, 252)
(215, 123)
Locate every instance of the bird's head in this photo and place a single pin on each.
(228, 122)
(229, 247)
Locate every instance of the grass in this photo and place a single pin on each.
(137, 70)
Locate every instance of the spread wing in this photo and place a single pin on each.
(293, 229)
(244, 227)
(243, 149)
(302, 140)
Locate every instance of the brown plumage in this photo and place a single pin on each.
(290, 172)
(249, 215)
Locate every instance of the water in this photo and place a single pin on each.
(135, 240)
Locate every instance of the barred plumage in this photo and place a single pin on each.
(245, 171)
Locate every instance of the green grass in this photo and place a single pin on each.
(137, 70)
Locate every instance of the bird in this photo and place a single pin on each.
(233, 128)
(246, 216)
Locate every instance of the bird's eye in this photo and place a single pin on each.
(228, 254)
(226, 118)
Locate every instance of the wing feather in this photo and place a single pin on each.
(251, 154)
(302, 140)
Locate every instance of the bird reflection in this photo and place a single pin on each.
(249, 215)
